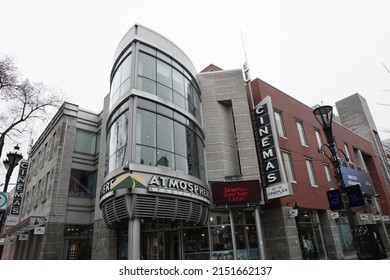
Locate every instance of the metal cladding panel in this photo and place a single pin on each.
(148, 206)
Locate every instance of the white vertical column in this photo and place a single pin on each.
(134, 239)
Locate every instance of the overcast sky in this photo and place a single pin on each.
(316, 51)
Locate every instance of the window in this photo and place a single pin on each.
(328, 176)
(279, 124)
(121, 82)
(86, 142)
(82, 183)
(346, 149)
(117, 142)
(361, 165)
(288, 166)
(301, 133)
(160, 75)
(77, 242)
(167, 139)
(310, 171)
(318, 137)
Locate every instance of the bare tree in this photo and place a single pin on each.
(21, 101)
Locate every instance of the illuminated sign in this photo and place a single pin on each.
(269, 153)
(236, 192)
(355, 196)
(335, 200)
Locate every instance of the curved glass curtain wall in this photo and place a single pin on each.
(160, 75)
(167, 139)
(121, 81)
(164, 137)
(117, 138)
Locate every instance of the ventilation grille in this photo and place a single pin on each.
(151, 206)
(115, 210)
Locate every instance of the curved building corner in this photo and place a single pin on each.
(152, 177)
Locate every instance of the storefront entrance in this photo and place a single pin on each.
(230, 234)
(310, 235)
(161, 245)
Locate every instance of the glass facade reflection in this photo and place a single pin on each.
(164, 137)
(159, 75)
(165, 141)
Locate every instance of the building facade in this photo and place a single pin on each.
(320, 232)
(181, 165)
(57, 212)
(153, 175)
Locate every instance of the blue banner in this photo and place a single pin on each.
(355, 176)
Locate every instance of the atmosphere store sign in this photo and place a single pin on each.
(155, 183)
(276, 184)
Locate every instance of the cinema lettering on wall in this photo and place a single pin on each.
(269, 153)
(14, 215)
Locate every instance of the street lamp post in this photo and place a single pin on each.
(324, 115)
(10, 163)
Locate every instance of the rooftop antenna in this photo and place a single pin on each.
(247, 77)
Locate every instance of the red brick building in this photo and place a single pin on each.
(311, 175)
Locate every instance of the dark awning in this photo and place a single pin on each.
(26, 225)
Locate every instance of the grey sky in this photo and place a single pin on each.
(315, 51)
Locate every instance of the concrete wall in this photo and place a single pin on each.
(230, 144)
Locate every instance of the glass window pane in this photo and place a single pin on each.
(279, 124)
(147, 85)
(143, 103)
(146, 155)
(181, 140)
(222, 243)
(288, 166)
(164, 92)
(126, 68)
(116, 81)
(147, 49)
(146, 128)
(82, 183)
(164, 73)
(179, 100)
(147, 66)
(310, 170)
(85, 142)
(117, 142)
(164, 57)
(181, 163)
(178, 82)
(301, 133)
(318, 137)
(165, 159)
(164, 111)
(165, 133)
(125, 87)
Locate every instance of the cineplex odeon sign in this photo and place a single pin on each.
(269, 153)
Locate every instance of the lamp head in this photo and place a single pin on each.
(324, 116)
(13, 158)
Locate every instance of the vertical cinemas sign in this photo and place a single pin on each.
(276, 185)
(13, 217)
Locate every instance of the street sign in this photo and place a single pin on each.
(3, 200)
(39, 230)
